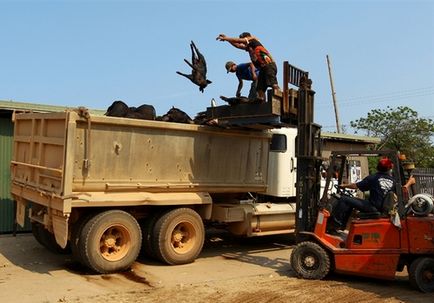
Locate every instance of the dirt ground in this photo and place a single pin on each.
(228, 270)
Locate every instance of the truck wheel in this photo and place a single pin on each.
(110, 241)
(178, 236)
(48, 240)
(76, 240)
(310, 261)
(147, 226)
(36, 233)
(421, 274)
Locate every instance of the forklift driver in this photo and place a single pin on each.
(378, 185)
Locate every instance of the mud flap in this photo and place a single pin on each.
(21, 212)
(60, 230)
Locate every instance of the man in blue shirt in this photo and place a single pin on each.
(244, 71)
(378, 185)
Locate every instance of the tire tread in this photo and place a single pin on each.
(414, 271)
(159, 241)
(322, 254)
(85, 246)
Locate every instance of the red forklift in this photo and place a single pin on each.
(375, 245)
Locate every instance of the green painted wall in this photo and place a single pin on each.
(7, 214)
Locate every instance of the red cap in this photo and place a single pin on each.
(384, 164)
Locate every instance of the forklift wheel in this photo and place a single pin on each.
(421, 274)
(310, 261)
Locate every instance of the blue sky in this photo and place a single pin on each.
(91, 53)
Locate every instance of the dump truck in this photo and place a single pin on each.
(107, 187)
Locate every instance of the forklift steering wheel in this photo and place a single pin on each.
(343, 191)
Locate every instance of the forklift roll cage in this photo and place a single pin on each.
(339, 159)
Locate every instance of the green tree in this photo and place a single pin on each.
(401, 129)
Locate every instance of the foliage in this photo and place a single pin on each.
(401, 129)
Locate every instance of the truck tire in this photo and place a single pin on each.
(147, 226)
(76, 239)
(178, 236)
(47, 239)
(36, 233)
(110, 241)
(310, 261)
(421, 274)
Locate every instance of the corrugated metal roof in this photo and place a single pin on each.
(23, 106)
(352, 138)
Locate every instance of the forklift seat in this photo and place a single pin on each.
(390, 200)
(370, 215)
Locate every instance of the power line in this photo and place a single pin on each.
(414, 93)
(349, 125)
(405, 92)
(334, 126)
(389, 98)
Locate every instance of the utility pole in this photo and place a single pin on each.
(335, 105)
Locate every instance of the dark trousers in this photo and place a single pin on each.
(253, 93)
(342, 211)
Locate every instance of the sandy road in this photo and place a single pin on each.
(228, 270)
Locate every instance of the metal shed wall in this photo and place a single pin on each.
(7, 210)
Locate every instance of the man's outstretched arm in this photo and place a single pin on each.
(240, 43)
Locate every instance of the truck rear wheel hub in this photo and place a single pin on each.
(115, 243)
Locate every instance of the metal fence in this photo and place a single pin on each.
(424, 180)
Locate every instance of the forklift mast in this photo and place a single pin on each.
(308, 151)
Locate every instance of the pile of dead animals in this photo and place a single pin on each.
(147, 112)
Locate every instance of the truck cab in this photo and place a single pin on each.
(282, 163)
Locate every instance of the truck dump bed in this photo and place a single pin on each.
(64, 154)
